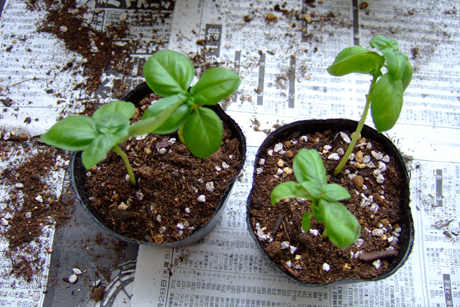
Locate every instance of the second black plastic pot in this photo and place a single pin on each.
(406, 239)
(78, 175)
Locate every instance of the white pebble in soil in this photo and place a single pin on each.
(377, 232)
(285, 245)
(345, 137)
(326, 267)
(335, 156)
(278, 147)
(201, 199)
(377, 264)
(359, 243)
(210, 186)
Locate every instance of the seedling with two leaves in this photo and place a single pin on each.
(169, 74)
(385, 96)
(341, 226)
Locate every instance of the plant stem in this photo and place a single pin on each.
(124, 156)
(357, 132)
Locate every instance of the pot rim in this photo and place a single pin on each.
(389, 147)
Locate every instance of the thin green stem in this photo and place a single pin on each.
(344, 160)
(124, 156)
(324, 235)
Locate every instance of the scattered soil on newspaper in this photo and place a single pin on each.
(31, 205)
(101, 50)
(314, 251)
(177, 193)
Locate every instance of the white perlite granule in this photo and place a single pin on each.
(201, 199)
(326, 267)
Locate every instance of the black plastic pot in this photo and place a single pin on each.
(78, 175)
(406, 239)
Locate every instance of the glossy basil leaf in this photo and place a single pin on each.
(174, 121)
(147, 125)
(381, 42)
(407, 76)
(285, 190)
(215, 85)
(334, 192)
(97, 150)
(123, 107)
(308, 166)
(203, 132)
(312, 187)
(73, 133)
(386, 102)
(356, 59)
(168, 72)
(111, 123)
(306, 221)
(396, 62)
(342, 227)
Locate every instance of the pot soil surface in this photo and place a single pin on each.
(177, 193)
(306, 256)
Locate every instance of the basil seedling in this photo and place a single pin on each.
(341, 226)
(95, 135)
(170, 74)
(385, 96)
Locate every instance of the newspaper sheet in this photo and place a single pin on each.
(282, 63)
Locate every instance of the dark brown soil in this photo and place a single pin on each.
(32, 204)
(164, 207)
(314, 251)
(99, 48)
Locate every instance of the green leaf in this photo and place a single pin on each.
(148, 125)
(111, 123)
(312, 187)
(381, 42)
(407, 76)
(306, 221)
(168, 72)
(203, 132)
(215, 85)
(123, 107)
(97, 150)
(73, 133)
(308, 166)
(356, 59)
(289, 189)
(334, 192)
(387, 101)
(174, 121)
(342, 227)
(396, 62)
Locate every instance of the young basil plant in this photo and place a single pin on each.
(96, 135)
(341, 226)
(385, 96)
(170, 74)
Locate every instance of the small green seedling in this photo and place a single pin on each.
(385, 97)
(341, 226)
(169, 74)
